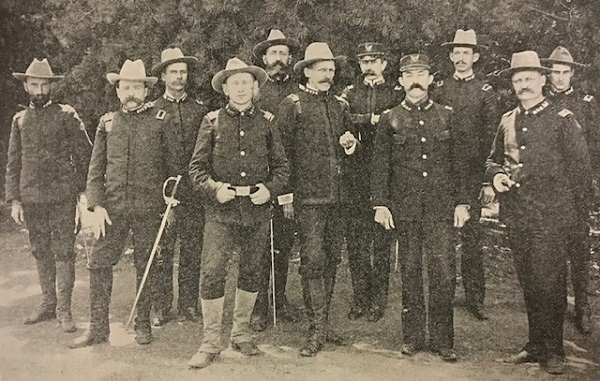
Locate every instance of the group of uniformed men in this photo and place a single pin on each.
(380, 163)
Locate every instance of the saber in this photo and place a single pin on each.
(171, 202)
(273, 273)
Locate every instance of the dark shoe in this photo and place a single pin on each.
(478, 311)
(67, 325)
(520, 358)
(311, 347)
(248, 348)
(409, 349)
(202, 360)
(40, 316)
(161, 318)
(87, 339)
(356, 312)
(375, 314)
(143, 336)
(553, 365)
(447, 354)
(288, 313)
(258, 323)
(189, 314)
(583, 322)
(334, 338)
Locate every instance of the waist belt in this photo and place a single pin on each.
(243, 191)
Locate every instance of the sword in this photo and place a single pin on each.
(273, 273)
(171, 202)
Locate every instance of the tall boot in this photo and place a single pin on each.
(142, 327)
(47, 274)
(241, 336)
(65, 280)
(101, 281)
(317, 292)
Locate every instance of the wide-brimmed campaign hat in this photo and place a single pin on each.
(526, 60)
(235, 66)
(414, 61)
(465, 38)
(276, 38)
(562, 56)
(375, 49)
(131, 71)
(38, 69)
(171, 56)
(315, 52)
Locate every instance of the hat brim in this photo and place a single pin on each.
(374, 54)
(454, 44)
(113, 78)
(300, 65)
(158, 68)
(23, 76)
(560, 62)
(261, 48)
(415, 66)
(217, 81)
(511, 70)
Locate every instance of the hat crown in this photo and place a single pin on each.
(39, 68)
(275, 34)
(465, 37)
(561, 54)
(417, 60)
(318, 50)
(133, 70)
(171, 54)
(371, 48)
(525, 59)
(235, 64)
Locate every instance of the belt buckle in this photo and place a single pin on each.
(242, 191)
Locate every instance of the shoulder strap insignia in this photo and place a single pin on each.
(213, 115)
(386, 111)
(439, 83)
(349, 87)
(294, 98)
(342, 100)
(448, 107)
(588, 98)
(398, 88)
(198, 101)
(486, 87)
(106, 120)
(267, 115)
(564, 113)
(160, 115)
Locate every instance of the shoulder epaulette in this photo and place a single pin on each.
(106, 120)
(18, 118)
(213, 115)
(439, 83)
(486, 87)
(294, 98)
(588, 98)
(564, 113)
(267, 115)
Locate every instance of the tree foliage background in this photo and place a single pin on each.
(85, 39)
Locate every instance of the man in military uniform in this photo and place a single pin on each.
(540, 167)
(419, 189)
(367, 99)
(239, 163)
(124, 191)
(181, 116)
(314, 126)
(48, 155)
(276, 53)
(586, 110)
(474, 105)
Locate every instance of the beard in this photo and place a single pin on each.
(39, 100)
(277, 70)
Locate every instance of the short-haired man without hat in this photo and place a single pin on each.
(124, 190)
(474, 104)
(587, 112)
(48, 154)
(239, 164)
(181, 115)
(367, 99)
(539, 165)
(277, 53)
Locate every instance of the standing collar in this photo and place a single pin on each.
(375, 82)
(232, 111)
(275, 80)
(535, 109)
(171, 99)
(311, 90)
(423, 104)
(466, 78)
(555, 92)
(31, 105)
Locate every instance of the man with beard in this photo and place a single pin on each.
(315, 133)
(276, 54)
(124, 191)
(586, 110)
(367, 99)
(48, 155)
(474, 105)
(539, 165)
(239, 163)
(181, 116)
(418, 189)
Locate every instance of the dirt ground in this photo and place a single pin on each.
(40, 352)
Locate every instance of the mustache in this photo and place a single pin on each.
(133, 99)
(460, 62)
(525, 90)
(277, 63)
(417, 86)
(368, 72)
(327, 80)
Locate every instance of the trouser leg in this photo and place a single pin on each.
(472, 267)
(381, 265)
(190, 250)
(101, 282)
(579, 256)
(359, 258)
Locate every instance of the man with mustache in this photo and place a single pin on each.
(419, 191)
(367, 99)
(539, 165)
(586, 110)
(318, 141)
(276, 53)
(48, 154)
(181, 115)
(474, 104)
(124, 191)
